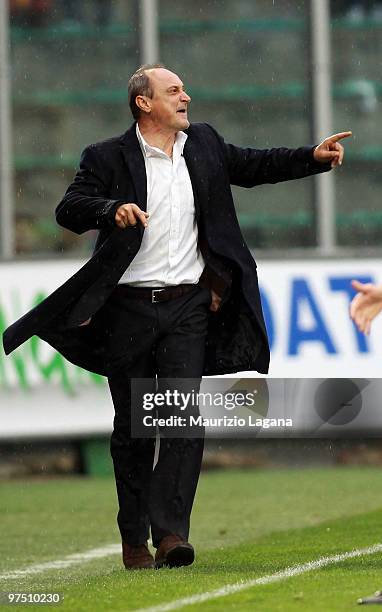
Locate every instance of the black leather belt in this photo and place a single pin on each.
(156, 294)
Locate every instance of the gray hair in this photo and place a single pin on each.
(140, 85)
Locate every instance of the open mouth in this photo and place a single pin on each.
(182, 110)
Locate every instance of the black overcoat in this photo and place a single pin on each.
(111, 173)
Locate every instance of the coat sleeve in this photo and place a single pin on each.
(85, 205)
(249, 167)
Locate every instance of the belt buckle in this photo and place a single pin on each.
(153, 292)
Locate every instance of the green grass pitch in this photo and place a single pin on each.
(246, 524)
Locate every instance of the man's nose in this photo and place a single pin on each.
(185, 97)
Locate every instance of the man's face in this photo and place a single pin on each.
(169, 102)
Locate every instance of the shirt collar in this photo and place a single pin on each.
(149, 151)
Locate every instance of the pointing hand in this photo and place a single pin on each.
(330, 150)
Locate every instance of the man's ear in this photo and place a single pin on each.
(143, 103)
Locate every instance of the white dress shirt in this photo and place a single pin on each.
(169, 254)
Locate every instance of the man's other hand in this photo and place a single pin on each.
(215, 301)
(365, 305)
(130, 214)
(330, 150)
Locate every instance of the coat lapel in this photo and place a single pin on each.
(197, 168)
(133, 157)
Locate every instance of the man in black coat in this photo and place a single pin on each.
(170, 292)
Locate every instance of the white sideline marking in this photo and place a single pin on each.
(75, 559)
(295, 570)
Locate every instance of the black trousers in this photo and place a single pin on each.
(145, 340)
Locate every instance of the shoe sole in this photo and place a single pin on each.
(140, 567)
(177, 557)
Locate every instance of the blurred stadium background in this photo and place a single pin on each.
(280, 73)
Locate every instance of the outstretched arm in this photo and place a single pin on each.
(249, 167)
(366, 305)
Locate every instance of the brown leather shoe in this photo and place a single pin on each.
(174, 551)
(137, 557)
